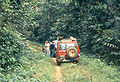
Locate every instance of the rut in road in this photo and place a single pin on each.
(58, 72)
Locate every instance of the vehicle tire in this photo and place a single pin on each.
(58, 63)
(77, 61)
(54, 54)
(72, 52)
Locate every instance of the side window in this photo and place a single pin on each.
(62, 46)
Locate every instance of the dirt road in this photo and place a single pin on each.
(58, 72)
(28, 44)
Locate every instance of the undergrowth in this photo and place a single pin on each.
(32, 67)
(73, 73)
(100, 70)
(90, 70)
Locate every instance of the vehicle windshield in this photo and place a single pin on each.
(64, 46)
(70, 45)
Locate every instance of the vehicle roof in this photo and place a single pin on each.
(55, 40)
(66, 41)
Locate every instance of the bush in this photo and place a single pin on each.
(11, 47)
(99, 69)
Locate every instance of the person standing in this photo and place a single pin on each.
(47, 47)
(52, 48)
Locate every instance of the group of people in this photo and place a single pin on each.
(50, 48)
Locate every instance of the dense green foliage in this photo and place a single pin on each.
(18, 63)
(16, 60)
(11, 49)
(95, 23)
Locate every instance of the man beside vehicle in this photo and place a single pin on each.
(52, 49)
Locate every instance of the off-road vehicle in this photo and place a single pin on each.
(67, 50)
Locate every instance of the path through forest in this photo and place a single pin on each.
(28, 44)
(58, 73)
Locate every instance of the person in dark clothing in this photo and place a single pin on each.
(52, 49)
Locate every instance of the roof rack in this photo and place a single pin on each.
(70, 39)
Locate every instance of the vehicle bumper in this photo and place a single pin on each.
(68, 60)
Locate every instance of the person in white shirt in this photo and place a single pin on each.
(47, 45)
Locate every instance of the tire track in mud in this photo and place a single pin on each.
(58, 72)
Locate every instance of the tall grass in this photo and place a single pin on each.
(99, 70)
(73, 73)
(90, 70)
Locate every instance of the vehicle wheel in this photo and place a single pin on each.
(77, 61)
(72, 52)
(58, 63)
(54, 55)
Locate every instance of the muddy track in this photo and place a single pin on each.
(58, 72)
